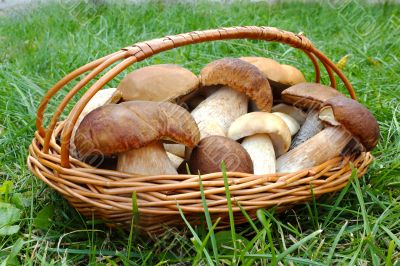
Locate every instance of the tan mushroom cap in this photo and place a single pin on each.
(240, 76)
(280, 73)
(165, 82)
(354, 117)
(212, 150)
(116, 128)
(262, 123)
(308, 95)
(294, 75)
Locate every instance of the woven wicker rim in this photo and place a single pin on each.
(107, 194)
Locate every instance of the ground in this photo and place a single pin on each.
(41, 44)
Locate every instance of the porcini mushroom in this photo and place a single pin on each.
(290, 122)
(280, 76)
(309, 96)
(349, 121)
(164, 82)
(265, 137)
(240, 80)
(294, 112)
(211, 151)
(102, 97)
(134, 131)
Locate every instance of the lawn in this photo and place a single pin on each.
(38, 46)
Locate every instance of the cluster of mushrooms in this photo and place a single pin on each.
(256, 115)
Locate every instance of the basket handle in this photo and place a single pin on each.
(143, 50)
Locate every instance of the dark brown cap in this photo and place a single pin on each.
(212, 150)
(354, 117)
(240, 76)
(116, 128)
(308, 95)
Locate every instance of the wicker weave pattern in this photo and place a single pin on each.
(107, 193)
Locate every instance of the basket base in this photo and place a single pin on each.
(107, 195)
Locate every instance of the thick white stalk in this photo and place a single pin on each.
(149, 160)
(292, 124)
(294, 112)
(216, 113)
(261, 151)
(324, 146)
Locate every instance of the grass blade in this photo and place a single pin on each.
(388, 261)
(196, 237)
(134, 221)
(392, 236)
(329, 219)
(229, 202)
(298, 244)
(357, 189)
(334, 244)
(209, 223)
(267, 226)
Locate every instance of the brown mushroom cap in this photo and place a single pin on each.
(240, 76)
(212, 150)
(308, 95)
(354, 117)
(165, 82)
(285, 75)
(116, 128)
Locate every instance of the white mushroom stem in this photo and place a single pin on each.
(215, 114)
(261, 151)
(294, 112)
(102, 97)
(324, 146)
(312, 126)
(290, 122)
(149, 160)
(176, 161)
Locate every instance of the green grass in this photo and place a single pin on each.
(358, 226)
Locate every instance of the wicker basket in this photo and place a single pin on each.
(107, 194)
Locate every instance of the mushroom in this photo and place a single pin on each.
(265, 137)
(280, 76)
(294, 112)
(290, 122)
(164, 82)
(240, 80)
(349, 120)
(211, 151)
(134, 131)
(102, 97)
(161, 83)
(308, 96)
